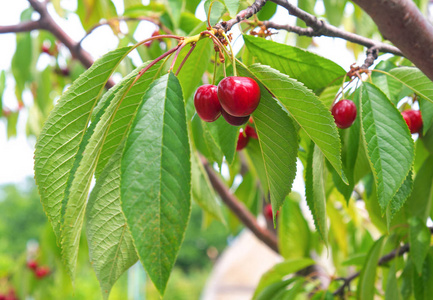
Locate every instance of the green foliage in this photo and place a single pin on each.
(155, 188)
(142, 144)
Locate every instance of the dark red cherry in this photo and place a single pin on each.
(206, 103)
(344, 112)
(242, 141)
(415, 124)
(232, 120)
(41, 272)
(32, 264)
(155, 33)
(239, 96)
(268, 212)
(251, 132)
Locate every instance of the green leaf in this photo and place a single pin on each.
(390, 147)
(419, 203)
(392, 292)
(415, 80)
(423, 284)
(111, 248)
(314, 71)
(334, 11)
(388, 85)
(315, 189)
(232, 7)
(92, 11)
(174, 9)
(419, 241)
(306, 109)
(426, 109)
(367, 278)
(217, 10)
(202, 191)
(61, 136)
(273, 290)
(86, 160)
(254, 154)
(2, 88)
(293, 232)
(399, 198)
(124, 115)
(156, 178)
(279, 144)
(267, 11)
(278, 272)
(225, 137)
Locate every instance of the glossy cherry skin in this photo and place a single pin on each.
(251, 132)
(415, 117)
(239, 96)
(344, 112)
(235, 121)
(242, 141)
(206, 103)
(406, 118)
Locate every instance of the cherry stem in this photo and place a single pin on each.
(176, 55)
(208, 15)
(217, 41)
(185, 58)
(215, 68)
(144, 70)
(342, 91)
(224, 68)
(235, 73)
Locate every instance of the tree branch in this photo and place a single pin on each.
(242, 15)
(403, 24)
(21, 27)
(46, 22)
(383, 260)
(320, 28)
(239, 209)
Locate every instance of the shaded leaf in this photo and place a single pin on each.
(156, 178)
(419, 241)
(367, 278)
(306, 109)
(390, 147)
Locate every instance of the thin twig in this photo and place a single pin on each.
(242, 15)
(320, 28)
(383, 260)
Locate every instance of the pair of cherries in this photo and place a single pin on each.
(235, 98)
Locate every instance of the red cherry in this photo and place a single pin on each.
(239, 96)
(242, 141)
(3, 297)
(251, 132)
(32, 264)
(41, 272)
(268, 212)
(407, 119)
(251, 120)
(415, 117)
(235, 121)
(344, 112)
(206, 103)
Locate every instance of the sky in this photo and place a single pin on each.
(16, 154)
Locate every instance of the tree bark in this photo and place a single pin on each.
(401, 22)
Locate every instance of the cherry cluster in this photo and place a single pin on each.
(235, 98)
(39, 271)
